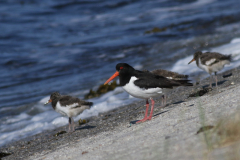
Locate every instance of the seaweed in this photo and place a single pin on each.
(4, 154)
(82, 121)
(101, 90)
(204, 128)
(60, 132)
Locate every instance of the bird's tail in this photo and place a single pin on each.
(184, 82)
(230, 58)
(90, 104)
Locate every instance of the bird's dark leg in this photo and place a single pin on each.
(216, 78)
(210, 81)
(165, 97)
(146, 113)
(73, 125)
(164, 101)
(69, 124)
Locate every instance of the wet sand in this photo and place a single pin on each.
(171, 134)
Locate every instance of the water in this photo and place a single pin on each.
(72, 46)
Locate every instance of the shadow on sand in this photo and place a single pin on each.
(134, 122)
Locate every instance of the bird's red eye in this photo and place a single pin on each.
(121, 67)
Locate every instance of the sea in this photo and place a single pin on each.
(72, 46)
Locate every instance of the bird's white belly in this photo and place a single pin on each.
(70, 110)
(138, 92)
(203, 67)
(62, 109)
(219, 66)
(215, 67)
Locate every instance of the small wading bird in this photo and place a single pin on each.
(144, 84)
(211, 62)
(68, 106)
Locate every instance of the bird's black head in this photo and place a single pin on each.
(197, 54)
(55, 95)
(123, 70)
(123, 66)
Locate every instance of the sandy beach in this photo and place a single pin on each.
(171, 134)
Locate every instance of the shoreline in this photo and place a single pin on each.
(116, 123)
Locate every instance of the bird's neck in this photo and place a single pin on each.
(124, 77)
(197, 60)
(54, 102)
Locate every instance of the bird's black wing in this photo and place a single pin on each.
(73, 102)
(211, 58)
(154, 81)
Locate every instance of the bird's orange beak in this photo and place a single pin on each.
(191, 61)
(111, 78)
(49, 101)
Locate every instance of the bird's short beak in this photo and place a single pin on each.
(48, 101)
(191, 61)
(111, 78)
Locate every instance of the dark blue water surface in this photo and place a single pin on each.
(74, 45)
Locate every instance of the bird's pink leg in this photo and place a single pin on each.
(150, 116)
(146, 113)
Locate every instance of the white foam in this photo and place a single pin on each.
(30, 129)
(138, 66)
(122, 55)
(60, 121)
(101, 56)
(130, 19)
(236, 40)
(195, 4)
(44, 100)
(181, 66)
(17, 118)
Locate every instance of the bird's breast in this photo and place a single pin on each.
(138, 92)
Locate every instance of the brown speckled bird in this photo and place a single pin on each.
(211, 62)
(68, 106)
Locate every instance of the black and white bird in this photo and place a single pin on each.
(68, 106)
(211, 62)
(144, 84)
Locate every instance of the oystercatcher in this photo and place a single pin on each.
(144, 84)
(211, 62)
(68, 106)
